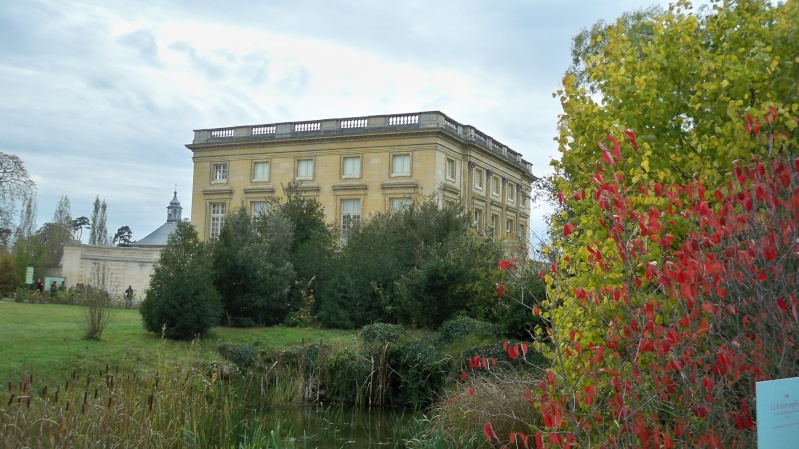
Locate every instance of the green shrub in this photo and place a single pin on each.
(464, 328)
(378, 334)
(526, 291)
(390, 368)
(27, 295)
(419, 373)
(243, 356)
(8, 281)
(344, 376)
(305, 357)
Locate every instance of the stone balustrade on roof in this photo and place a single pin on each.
(373, 124)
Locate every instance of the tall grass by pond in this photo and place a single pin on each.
(178, 407)
(232, 388)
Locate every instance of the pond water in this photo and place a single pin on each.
(340, 426)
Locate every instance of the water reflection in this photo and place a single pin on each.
(340, 426)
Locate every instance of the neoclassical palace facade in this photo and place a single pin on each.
(360, 166)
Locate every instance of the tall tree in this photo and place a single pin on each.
(8, 269)
(53, 235)
(77, 226)
(27, 218)
(181, 301)
(313, 246)
(123, 236)
(589, 44)
(687, 93)
(99, 227)
(418, 266)
(307, 215)
(27, 248)
(15, 185)
(252, 271)
(5, 237)
(63, 213)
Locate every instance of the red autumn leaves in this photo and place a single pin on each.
(708, 306)
(505, 265)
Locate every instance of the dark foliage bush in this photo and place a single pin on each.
(465, 328)
(243, 356)
(344, 376)
(181, 301)
(516, 317)
(8, 281)
(252, 272)
(416, 267)
(378, 334)
(421, 373)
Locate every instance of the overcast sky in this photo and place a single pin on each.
(100, 97)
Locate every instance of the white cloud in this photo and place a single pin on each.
(99, 98)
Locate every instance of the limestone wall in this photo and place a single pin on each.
(127, 266)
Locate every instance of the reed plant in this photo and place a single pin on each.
(459, 417)
(177, 407)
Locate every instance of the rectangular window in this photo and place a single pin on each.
(478, 178)
(495, 229)
(478, 220)
(259, 208)
(451, 169)
(399, 204)
(218, 212)
(219, 173)
(350, 218)
(510, 229)
(401, 165)
(305, 169)
(260, 171)
(495, 185)
(351, 166)
(511, 189)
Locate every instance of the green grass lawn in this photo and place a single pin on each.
(45, 340)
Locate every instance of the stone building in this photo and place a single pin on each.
(360, 166)
(132, 265)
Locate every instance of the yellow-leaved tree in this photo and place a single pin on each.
(653, 138)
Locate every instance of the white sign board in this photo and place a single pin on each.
(778, 413)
